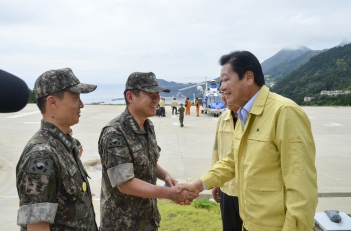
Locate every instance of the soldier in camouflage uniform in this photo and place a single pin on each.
(129, 153)
(52, 183)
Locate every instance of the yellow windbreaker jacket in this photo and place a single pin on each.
(224, 136)
(162, 103)
(273, 160)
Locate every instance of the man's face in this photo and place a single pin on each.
(233, 89)
(234, 108)
(68, 112)
(146, 103)
(224, 99)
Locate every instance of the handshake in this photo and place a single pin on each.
(184, 194)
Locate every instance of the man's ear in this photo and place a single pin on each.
(130, 97)
(249, 77)
(51, 101)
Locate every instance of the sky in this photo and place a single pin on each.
(105, 41)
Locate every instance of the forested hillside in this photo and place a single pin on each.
(279, 71)
(330, 70)
(282, 56)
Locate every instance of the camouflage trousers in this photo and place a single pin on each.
(181, 119)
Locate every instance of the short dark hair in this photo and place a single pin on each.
(243, 61)
(41, 102)
(134, 91)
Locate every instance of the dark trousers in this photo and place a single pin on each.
(230, 213)
(174, 109)
(163, 111)
(158, 111)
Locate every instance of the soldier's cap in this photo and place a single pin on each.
(62, 79)
(145, 81)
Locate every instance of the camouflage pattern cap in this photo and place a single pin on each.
(145, 81)
(56, 80)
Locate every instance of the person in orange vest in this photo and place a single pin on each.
(197, 103)
(187, 106)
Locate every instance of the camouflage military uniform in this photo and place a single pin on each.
(50, 183)
(126, 152)
(181, 115)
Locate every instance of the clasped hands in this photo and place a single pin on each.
(184, 194)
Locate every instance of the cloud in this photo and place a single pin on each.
(177, 40)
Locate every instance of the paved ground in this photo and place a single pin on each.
(186, 152)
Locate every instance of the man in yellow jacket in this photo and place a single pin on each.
(162, 107)
(226, 195)
(174, 105)
(272, 155)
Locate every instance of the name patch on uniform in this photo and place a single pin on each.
(137, 147)
(115, 141)
(40, 166)
(72, 170)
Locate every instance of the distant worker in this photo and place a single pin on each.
(187, 106)
(77, 143)
(52, 184)
(129, 156)
(181, 115)
(162, 107)
(174, 106)
(197, 103)
(226, 195)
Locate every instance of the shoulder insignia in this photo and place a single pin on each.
(115, 141)
(42, 138)
(40, 166)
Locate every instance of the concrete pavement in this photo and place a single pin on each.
(186, 152)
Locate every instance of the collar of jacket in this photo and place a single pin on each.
(260, 101)
(58, 134)
(133, 124)
(228, 115)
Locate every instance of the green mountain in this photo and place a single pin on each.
(279, 71)
(282, 56)
(330, 70)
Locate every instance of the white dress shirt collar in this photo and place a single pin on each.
(244, 111)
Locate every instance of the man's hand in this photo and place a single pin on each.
(184, 197)
(195, 187)
(216, 194)
(163, 175)
(170, 181)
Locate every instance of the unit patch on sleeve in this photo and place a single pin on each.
(40, 166)
(115, 141)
